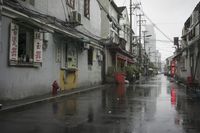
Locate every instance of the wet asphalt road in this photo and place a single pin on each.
(154, 106)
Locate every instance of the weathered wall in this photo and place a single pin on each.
(20, 82)
(88, 76)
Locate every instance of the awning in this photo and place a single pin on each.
(130, 61)
(124, 58)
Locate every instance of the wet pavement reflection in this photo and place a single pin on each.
(153, 106)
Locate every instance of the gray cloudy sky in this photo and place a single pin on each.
(168, 15)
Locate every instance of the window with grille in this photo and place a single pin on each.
(87, 8)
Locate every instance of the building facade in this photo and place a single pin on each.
(187, 53)
(45, 41)
(115, 30)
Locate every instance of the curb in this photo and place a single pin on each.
(12, 107)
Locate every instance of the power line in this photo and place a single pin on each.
(157, 27)
(168, 38)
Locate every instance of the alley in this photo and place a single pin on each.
(154, 106)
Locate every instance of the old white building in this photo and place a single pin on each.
(115, 31)
(187, 55)
(45, 41)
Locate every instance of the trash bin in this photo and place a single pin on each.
(120, 77)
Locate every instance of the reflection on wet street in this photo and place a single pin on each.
(153, 106)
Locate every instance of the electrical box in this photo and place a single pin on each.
(75, 17)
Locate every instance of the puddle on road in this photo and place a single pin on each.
(158, 106)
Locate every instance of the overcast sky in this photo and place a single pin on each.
(168, 15)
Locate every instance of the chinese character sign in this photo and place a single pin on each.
(14, 30)
(173, 68)
(38, 42)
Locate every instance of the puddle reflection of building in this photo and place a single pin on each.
(68, 107)
(90, 114)
(173, 96)
(142, 102)
(121, 90)
(187, 112)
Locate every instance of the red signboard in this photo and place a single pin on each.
(172, 68)
(173, 96)
(14, 29)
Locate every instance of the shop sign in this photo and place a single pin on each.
(173, 68)
(38, 42)
(14, 30)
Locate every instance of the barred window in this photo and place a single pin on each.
(87, 8)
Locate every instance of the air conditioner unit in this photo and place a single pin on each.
(75, 17)
(86, 45)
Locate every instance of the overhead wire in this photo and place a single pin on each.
(167, 37)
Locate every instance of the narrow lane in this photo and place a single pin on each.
(153, 106)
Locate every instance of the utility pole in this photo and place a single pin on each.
(145, 61)
(132, 8)
(131, 47)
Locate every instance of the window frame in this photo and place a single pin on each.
(29, 49)
(90, 56)
(87, 8)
